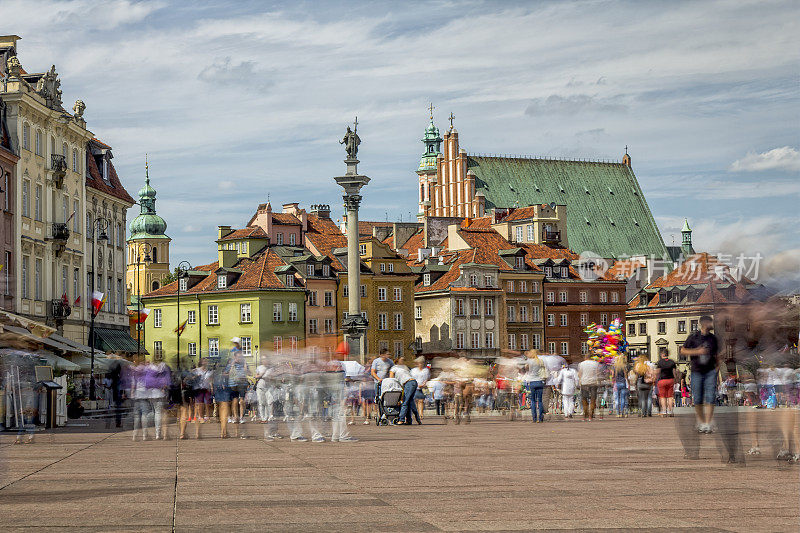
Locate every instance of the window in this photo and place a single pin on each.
(489, 306)
(244, 313)
(603, 297)
(519, 263)
(74, 160)
(459, 307)
(535, 314)
(292, 312)
(523, 313)
(382, 319)
(489, 339)
(37, 203)
(523, 286)
(662, 328)
(563, 320)
(398, 348)
(247, 346)
(459, 341)
(309, 270)
(614, 297)
(156, 318)
(183, 284)
(564, 348)
(551, 297)
(473, 280)
(642, 328)
(518, 233)
(537, 341)
(510, 286)
(292, 238)
(523, 341)
(585, 349)
(328, 325)
(426, 279)
(26, 136)
(681, 326)
(279, 239)
(583, 297)
(328, 298)
(476, 340)
(562, 297)
(363, 291)
(511, 313)
(564, 272)
(192, 349)
(191, 317)
(604, 318)
(693, 325)
(213, 315)
(89, 227)
(24, 276)
(632, 329)
(551, 347)
(38, 145)
(213, 347)
(76, 219)
(398, 294)
(76, 286)
(362, 249)
(222, 281)
(487, 281)
(418, 312)
(383, 267)
(383, 345)
(475, 307)
(346, 291)
(531, 237)
(551, 319)
(398, 321)
(381, 294)
(390, 267)
(37, 280)
(277, 344)
(512, 341)
(277, 312)
(110, 289)
(158, 351)
(312, 298)
(65, 208)
(326, 270)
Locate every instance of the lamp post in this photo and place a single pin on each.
(181, 269)
(147, 249)
(100, 225)
(354, 324)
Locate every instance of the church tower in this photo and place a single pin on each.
(427, 166)
(686, 240)
(149, 242)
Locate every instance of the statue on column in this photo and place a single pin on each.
(351, 141)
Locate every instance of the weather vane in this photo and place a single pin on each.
(452, 118)
(431, 108)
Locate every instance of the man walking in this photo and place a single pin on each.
(589, 377)
(702, 347)
(403, 375)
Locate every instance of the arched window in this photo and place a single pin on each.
(38, 146)
(155, 285)
(154, 256)
(75, 160)
(64, 150)
(89, 231)
(26, 136)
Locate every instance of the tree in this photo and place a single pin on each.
(169, 278)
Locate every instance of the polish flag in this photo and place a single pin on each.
(141, 316)
(98, 299)
(77, 301)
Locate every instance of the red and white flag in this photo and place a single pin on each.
(77, 301)
(98, 299)
(140, 316)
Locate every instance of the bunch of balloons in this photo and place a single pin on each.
(606, 343)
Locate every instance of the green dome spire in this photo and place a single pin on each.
(148, 225)
(433, 144)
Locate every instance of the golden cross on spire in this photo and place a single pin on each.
(431, 108)
(452, 118)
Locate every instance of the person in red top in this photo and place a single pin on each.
(667, 369)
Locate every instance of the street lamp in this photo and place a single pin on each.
(181, 270)
(147, 249)
(100, 224)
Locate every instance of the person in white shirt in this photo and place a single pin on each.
(401, 373)
(567, 383)
(589, 378)
(422, 374)
(262, 373)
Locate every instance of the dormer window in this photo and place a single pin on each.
(292, 239)
(426, 279)
(183, 284)
(487, 281)
(222, 281)
(310, 270)
(326, 270)
(390, 267)
(279, 239)
(548, 271)
(473, 280)
(519, 263)
(362, 249)
(383, 267)
(564, 272)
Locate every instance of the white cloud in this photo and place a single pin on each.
(784, 158)
(227, 185)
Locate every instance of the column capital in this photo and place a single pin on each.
(352, 201)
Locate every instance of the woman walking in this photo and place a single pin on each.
(666, 382)
(644, 384)
(619, 377)
(422, 374)
(536, 377)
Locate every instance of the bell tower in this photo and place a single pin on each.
(686, 240)
(427, 166)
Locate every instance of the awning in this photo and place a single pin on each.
(57, 362)
(113, 340)
(69, 342)
(42, 340)
(101, 364)
(37, 328)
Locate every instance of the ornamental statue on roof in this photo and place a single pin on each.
(49, 86)
(351, 141)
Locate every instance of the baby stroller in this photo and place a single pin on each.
(389, 402)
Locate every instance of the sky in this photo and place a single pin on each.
(239, 102)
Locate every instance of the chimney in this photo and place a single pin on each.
(321, 210)
(227, 258)
(223, 231)
(291, 208)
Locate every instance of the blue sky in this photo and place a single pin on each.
(237, 100)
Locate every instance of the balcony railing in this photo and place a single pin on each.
(551, 236)
(60, 231)
(60, 309)
(58, 164)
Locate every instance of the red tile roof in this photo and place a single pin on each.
(520, 213)
(625, 269)
(286, 219)
(258, 272)
(324, 235)
(94, 180)
(365, 226)
(252, 232)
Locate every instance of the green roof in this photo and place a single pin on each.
(606, 209)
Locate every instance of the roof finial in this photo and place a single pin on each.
(431, 108)
(146, 170)
(451, 119)
(626, 148)
(355, 125)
